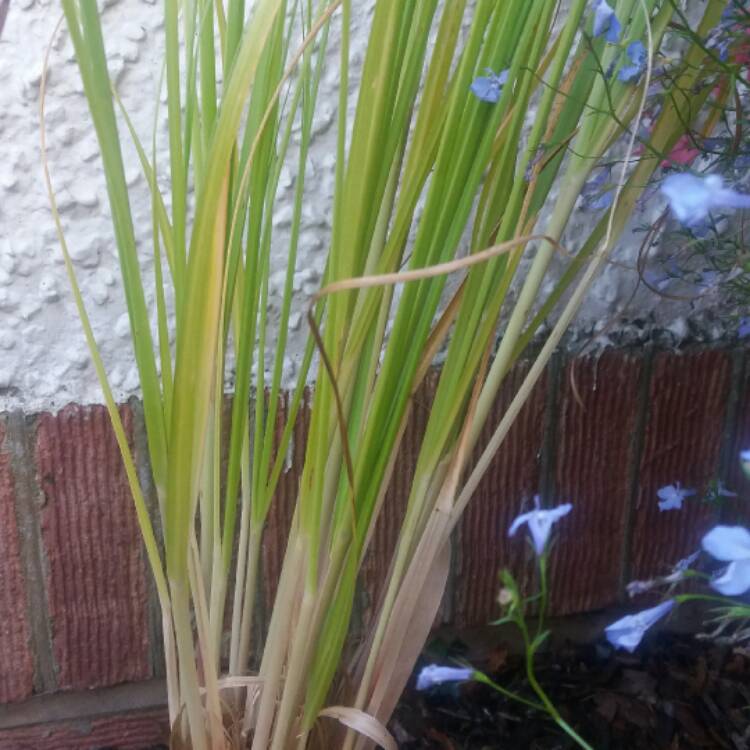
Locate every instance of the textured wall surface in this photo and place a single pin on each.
(44, 362)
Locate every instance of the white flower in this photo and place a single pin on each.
(693, 198)
(730, 544)
(628, 631)
(672, 496)
(434, 674)
(540, 523)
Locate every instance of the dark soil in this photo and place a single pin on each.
(674, 693)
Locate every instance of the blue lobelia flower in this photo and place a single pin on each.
(679, 573)
(628, 631)
(682, 565)
(606, 22)
(657, 279)
(730, 544)
(540, 523)
(434, 674)
(636, 53)
(723, 491)
(594, 194)
(692, 198)
(488, 88)
(672, 495)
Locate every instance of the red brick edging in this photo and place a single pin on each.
(603, 433)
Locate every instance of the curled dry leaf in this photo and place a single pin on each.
(362, 723)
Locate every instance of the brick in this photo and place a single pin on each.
(737, 511)
(682, 441)
(136, 731)
(16, 662)
(594, 448)
(482, 547)
(96, 573)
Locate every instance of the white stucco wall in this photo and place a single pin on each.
(44, 362)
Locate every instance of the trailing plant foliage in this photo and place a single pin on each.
(476, 128)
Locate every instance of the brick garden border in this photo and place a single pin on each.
(78, 612)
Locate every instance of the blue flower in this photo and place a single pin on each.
(678, 573)
(637, 54)
(433, 675)
(628, 631)
(540, 523)
(488, 88)
(672, 496)
(606, 22)
(730, 544)
(722, 491)
(692, 198)
(657, 280)
(708, 279)
(594, 195)
(682, 565)
(743, 329)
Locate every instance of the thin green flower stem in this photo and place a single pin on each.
(682, 598)
(481, 677)
(543, 593)
(548, 705)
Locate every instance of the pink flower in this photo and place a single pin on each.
(684, 152)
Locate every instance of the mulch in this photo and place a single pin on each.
(675, 693)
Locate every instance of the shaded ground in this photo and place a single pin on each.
(675, 693)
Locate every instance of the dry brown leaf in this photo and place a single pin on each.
(413, 616)
(362, 723)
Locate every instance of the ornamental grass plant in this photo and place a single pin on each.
(477, 129)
